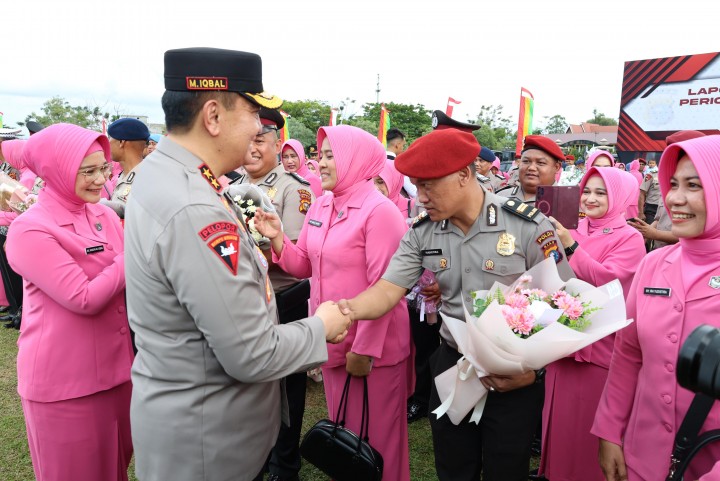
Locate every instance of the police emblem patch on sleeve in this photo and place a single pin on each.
(305, 200)
(550, 249)
(226, 247)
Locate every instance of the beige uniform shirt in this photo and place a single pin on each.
(500, 246)
(485, 182)
(206, 402)
(123, 186)
(517, 192)
(664, 224)
(651, 187)
(291, 196)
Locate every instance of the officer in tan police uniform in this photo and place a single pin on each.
(470, 239)
(128, 139)
(649, 194)
(540, 162)
(291, 196)
(206, 402)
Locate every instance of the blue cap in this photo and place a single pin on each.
(487, 155)
(580, 161)
(128, 129)
(155, 138)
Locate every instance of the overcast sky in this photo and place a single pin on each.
(568, 53)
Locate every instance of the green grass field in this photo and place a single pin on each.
(15, 464)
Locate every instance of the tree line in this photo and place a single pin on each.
(497, 131)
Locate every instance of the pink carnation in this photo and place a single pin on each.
(539, 293)
(519, 320)
(572, 306)
(517, 301)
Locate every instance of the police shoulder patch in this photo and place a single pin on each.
(419, 219)
(522, 210)
(295, 176)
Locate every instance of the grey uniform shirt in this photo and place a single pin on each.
(517, 192)
(291, 196)
(206, 402)
(664, 224)
(651, 187)
(466, 263)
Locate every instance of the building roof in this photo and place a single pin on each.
(586, 127)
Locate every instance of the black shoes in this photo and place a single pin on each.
(415, 411)
(12, 318)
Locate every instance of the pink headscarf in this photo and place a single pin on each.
(303, 170)
(12, 150)
(314, 164)
(620, 166)
(56, 153)
(394, 182)
(700, 255)
(593, 157)
(496, 164)
(622, 191)
(359, 157)
(635, 171)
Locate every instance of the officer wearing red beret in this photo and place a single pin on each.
(540, 162)
(469, 239)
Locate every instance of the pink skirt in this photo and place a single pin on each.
(86, 438)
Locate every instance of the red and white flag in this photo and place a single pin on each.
(450, 104)
(333, 117)
(104, 127)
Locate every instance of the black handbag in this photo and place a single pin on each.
(339, 452)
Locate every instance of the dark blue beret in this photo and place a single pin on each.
(487, 155)
(441, 121)
(128, 129)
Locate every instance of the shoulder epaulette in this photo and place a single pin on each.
(298, 178)
(420, 218)
(236, 180)
(521, 209)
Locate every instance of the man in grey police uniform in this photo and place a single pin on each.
(483, 162)
(128, 139)
(207, 398)
(540, 163)
(291, 196)
(470, 239)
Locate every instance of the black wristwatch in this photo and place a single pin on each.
(540, 374)
(571, 250)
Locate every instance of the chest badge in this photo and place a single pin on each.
(714, 282)
(506, 244)
(443, 263)
(272, 191)
(489, 265)
(98, 226)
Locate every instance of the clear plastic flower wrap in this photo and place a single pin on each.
(14, 197)
(494, 343)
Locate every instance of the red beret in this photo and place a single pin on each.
(437, 154)
(682, 135)
(544, 144)
(569, 157)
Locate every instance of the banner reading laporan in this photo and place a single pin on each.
(663, 95)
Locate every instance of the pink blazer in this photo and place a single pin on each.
(642, 405)
(603, 256)
(344, 255)
(75, 338)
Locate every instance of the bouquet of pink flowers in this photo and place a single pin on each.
(14, 197)
(523, 308)
(521, 327)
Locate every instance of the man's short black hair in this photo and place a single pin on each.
(394, 133)
(181, 108)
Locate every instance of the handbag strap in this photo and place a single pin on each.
(688, 433)
(342, 408)
(365, 421)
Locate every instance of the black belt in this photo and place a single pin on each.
(294, 295)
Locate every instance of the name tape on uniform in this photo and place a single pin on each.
(657, 291)
(94, 249)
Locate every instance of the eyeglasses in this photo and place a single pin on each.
(92, 173)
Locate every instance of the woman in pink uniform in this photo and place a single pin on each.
(675, 289)
(599, 158)
(74, 350)
(345, 245)
(605, 248)
(390, 183)
(293, 159)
